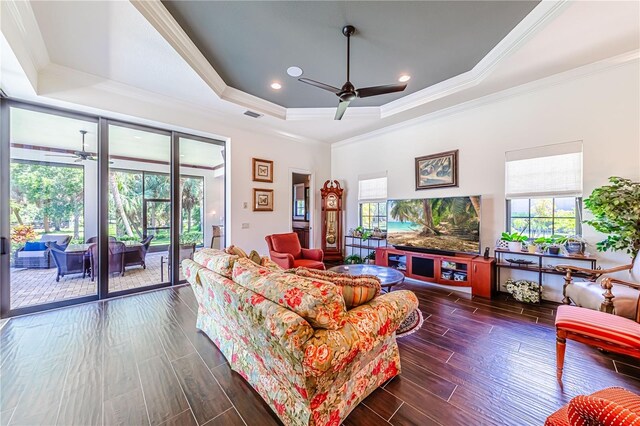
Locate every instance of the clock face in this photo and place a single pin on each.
(332, 201)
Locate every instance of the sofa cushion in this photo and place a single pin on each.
(270, 264)
(35, 246)
(308, 263)
(356, 289)
(216, 260)
(599, 325)
(588, 294)
(287, 243)
(318, 302)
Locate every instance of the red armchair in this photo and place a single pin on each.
(285, 250)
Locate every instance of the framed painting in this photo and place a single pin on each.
(262, 200)
(437, 170)
(262, 170)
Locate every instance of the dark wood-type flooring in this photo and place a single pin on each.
(139, 360)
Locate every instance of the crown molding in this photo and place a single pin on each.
(160, 18)
(20, 29)
(253, 103)
(523, 89)
(77, 87)
(532, 23)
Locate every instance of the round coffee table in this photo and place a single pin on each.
(388, 276)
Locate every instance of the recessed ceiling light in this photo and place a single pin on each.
(294, 71)
(404, 78)
(276, 86)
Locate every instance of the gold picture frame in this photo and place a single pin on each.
(262, 200)
(262, 170)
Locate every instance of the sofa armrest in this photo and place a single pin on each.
(285, 260)
(313, 254)
(365, 327)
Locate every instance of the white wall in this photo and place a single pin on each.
(602, 110)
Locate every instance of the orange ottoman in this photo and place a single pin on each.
(607, 407)
(602, 330)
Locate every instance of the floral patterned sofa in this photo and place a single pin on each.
(293, 340)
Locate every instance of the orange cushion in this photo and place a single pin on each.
(287, 243)
(567, 416)
(306, 263)
(613, 406)
(599, 325)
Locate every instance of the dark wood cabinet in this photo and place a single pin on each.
(461, 270)
(303, 236)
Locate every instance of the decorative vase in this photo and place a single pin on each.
(575, 247)
(515, 246)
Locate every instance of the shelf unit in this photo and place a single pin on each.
(538, 267)
(461, 270)
(355, 245)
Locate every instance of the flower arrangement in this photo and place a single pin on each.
(524, 290)
(22, 233)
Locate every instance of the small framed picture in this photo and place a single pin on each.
(437, 170)
(262, 170)
(262, 200)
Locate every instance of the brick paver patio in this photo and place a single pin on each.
(37, 286)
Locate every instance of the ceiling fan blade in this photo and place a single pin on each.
(342, 107)
(320, 85)
(365, 92)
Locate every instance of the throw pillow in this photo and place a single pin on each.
(270, 264)
(216, 260)
(318, 302)
(253, 256)
(35, 246)
(356, 289)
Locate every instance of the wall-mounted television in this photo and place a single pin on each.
(447, 225)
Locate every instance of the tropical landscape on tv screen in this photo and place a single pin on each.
(448, 224)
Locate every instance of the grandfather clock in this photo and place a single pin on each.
(332, 220)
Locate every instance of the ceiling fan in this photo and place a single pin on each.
(348, 92)
(79, 155)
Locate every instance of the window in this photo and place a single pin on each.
(543, 217)
(373, 215)
(543, 188)
(372, 195)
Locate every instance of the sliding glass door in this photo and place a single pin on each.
(52, 204)
(139, 207)
(92, 207)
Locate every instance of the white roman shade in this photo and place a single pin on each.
(546, 171)
(372, 187)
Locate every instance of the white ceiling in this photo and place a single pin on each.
(113, 43)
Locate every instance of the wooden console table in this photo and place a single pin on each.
(461, 270)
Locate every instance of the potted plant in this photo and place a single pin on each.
(575, 244)
(551, 245)
(353, 259)
(616, 211)
(371, 258)
(514, 241)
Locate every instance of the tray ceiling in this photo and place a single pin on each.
(251, 44)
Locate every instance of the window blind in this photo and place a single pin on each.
(372, 189)
(546, 171)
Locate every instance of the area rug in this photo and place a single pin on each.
(411, 324)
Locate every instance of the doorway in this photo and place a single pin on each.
(301, 207)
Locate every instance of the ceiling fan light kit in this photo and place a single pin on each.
(348, 92)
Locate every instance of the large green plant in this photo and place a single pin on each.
(616, 211)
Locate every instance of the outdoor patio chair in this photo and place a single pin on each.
(186, 252)
(67, 263)
(134, 257)
(95, 239)
(116, 258)
(40, 258)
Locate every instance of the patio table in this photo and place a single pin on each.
(81, 248)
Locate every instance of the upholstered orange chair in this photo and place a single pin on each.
(605, 331)
(610, 407)
(285, 250)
